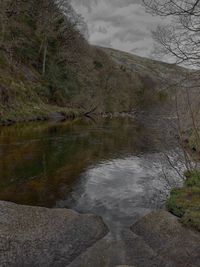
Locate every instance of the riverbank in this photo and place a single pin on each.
(48, 112)
(39, 112)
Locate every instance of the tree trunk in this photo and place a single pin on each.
(44, 58)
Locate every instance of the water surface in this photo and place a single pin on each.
(111, 167)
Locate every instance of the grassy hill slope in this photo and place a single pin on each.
(47, 67)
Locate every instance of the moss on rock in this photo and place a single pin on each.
(185, 202)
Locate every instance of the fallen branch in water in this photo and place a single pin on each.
(87, 114)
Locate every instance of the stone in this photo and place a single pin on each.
(35, 236)
(167, 237)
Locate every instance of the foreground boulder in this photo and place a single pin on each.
(33, 236)
(169, 239)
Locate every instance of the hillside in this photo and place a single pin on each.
(48, 68)
(145, 66)
(157, 77)
(98, 81)
(176, 85)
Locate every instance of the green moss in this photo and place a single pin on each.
(192, 219)
(193, 179)
(185, 202)
(174, 204)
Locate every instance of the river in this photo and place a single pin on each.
(111, 167)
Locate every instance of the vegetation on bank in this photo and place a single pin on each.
(23, 95)
(47, 65)
(185, 202)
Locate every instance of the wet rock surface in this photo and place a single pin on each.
(34, 236)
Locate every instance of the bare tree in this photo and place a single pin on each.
(51, 21)
(180, 39)
(58, 20)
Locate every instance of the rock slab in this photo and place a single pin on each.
(34, 236)
(169, 239)
(129, 250)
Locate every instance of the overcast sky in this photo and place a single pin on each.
(120, 24)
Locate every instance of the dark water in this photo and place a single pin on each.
(111, 167)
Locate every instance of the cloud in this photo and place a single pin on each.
(119, 24)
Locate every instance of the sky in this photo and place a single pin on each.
(120, 24)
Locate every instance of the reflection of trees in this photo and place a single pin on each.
(50, 158)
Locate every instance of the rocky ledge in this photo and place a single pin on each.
(156, 240)
(168, 238)
(34, 236)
